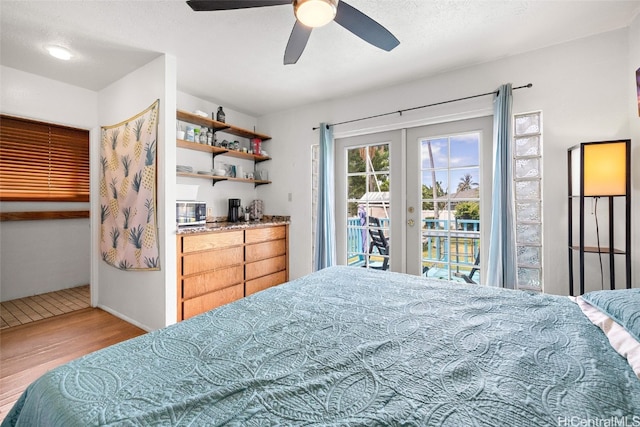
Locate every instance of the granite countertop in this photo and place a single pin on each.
(224, 225)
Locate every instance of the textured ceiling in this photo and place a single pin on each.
(235, 57)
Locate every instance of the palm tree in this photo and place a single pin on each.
(466, 183)
(436, 210)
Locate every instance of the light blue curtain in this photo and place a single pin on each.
(502, 267)
(325, 255)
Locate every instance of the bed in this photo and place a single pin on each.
(350, 346)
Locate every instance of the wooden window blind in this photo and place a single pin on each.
(42, 161)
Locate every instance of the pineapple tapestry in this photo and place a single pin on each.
(128, 232)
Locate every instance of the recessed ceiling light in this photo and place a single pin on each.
(59, 52)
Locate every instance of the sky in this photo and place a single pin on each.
(460, 153)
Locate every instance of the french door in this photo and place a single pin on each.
(448, 174)
(385, 186)
(369, 188)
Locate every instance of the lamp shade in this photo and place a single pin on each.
(605, 168)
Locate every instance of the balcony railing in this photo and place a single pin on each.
(444, 242)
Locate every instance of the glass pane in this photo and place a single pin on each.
(435, 178)
(464, 150)
(463, 250)
(357, 186)
(352, 209)
(529, 277)
(467, 183)
(528, 190)
(368, 196)
(434, 246)
(435, 153)
(379, 182)
(529, 256)
(450, 217)
(529, 123)
(379, 158)
(528, 146)
(528, 233)
(436, 271)
(357, 160)
(528, 211)
(464, 273)
(357, 242)
(527, 168)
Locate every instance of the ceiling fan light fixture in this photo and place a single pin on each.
(315, 13)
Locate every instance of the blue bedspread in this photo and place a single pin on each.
(348, 346)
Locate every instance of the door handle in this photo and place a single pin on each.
(411, 223)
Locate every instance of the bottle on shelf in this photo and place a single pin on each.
(220, 116)
(257, 146)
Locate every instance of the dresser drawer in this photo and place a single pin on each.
(265, 250)
(262, 268)
(213, 281)
(256, 285)
(256, 235)
(211, 260)
(194, 306)
(203, 242)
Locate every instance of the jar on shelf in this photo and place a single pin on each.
(203, 136)
(190, 134)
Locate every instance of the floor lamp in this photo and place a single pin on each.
(599, 170)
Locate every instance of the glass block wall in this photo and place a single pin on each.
(527, 153)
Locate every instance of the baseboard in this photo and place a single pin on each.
(125, 318)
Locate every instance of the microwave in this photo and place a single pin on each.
(191, 213)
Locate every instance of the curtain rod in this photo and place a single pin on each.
(495, 92)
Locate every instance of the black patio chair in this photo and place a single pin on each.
(469, 277)
(380, 242)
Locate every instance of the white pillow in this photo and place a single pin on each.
(619, 338)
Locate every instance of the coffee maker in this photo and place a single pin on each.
(234, 210)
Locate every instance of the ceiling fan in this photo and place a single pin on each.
(312, 14)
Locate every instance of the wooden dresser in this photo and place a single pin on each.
(221, 266)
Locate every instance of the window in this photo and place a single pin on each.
(368, 183)
(43, 162)
(450, 173)
(527, 153)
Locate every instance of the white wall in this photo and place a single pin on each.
(146, 299)
(44, 256)
(581, 88)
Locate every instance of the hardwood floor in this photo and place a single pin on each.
(28, 351)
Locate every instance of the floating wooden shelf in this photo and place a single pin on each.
(219, 126)
(216, 178)
(219, 150)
